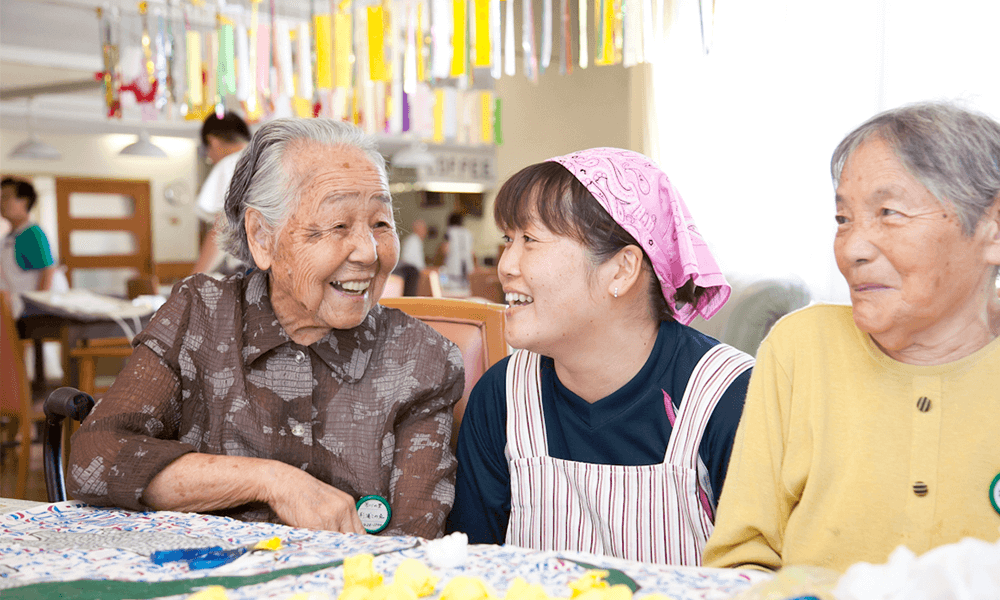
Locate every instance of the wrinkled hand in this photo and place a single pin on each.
(301, 500)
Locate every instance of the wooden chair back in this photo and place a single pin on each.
(15, 394)
(477, 328)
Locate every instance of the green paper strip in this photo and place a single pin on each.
(497, 129)
(615, 577)
(112, 589)
(226, 64)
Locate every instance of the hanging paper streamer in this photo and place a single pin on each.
(160, 64)
(303, 64)
(496, 50)
(528, 41)
(420, 29)
(242, 54)
(606, 32)
(450, 113)
(264, 61)
(227, 61)
(632, 42)
(212, 97)
(109, 26)
(706, 11)
(376, 45)
(439, 115)
(410, 51)
(193, 46)
(482, 33)
(459, 40)
(584, 50)
(509, 50)
(486, 101)
(648, 46)
(342, 48)
(546, 34)
(619, 29)
(283, 51)
(566, 64)
(324, 69)
(442, 25)
(497, 129)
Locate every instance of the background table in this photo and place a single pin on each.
(70, 541)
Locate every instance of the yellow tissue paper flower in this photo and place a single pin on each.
(592, 579)
(354, 592)
(415, 574)
(212, 592)
(270, 544)
(615, 592)
(358, 570)
(522, 590)
(393, 591)
(465, 588)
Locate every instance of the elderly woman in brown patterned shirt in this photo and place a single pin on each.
(286, 393)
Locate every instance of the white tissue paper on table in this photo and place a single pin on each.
(966, 570)
(448, 552)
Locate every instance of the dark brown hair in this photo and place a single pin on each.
(548, 192)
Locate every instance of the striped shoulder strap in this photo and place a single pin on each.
(525, 421)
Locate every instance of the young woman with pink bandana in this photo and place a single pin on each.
(609, 430)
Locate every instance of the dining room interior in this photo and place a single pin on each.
(740, 103)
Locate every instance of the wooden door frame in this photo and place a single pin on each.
(139, 224)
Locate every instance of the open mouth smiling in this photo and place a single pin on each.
(515, 299)
(352, 288)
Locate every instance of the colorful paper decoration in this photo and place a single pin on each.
(377, 70)
(481, 34)
(459, 40)
(193, 48)
(226, 72)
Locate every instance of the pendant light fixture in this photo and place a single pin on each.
(143, 146)
(33, 148)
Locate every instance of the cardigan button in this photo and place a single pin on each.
(298, 431)
(920, 488)
(300, 356)
(923, 404)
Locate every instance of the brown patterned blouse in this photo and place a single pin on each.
(366, 410)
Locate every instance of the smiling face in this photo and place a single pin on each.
(552, 289)
(329, 262)
(917, 281)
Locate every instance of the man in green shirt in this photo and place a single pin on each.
(25, 257)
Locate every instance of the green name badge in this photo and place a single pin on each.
(374, 512)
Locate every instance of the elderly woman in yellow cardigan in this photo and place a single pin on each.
(876, 425)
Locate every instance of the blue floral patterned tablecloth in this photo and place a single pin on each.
(71, 541)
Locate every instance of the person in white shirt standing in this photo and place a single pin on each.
(26, 262)
(412, 251)
(459, 261)
(223, 139)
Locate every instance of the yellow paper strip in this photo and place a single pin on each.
(439, 115)
(487, 110)
(194, 68)
(324, 71)
(459, 39)
(482, 33)
(421, 65)
(376, 44)
(608, 34)
(342, 48)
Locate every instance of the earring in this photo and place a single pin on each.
(616, 292)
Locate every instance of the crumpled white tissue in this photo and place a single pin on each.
(965, 570)
(448, 552)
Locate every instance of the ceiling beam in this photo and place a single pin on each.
(64, 87)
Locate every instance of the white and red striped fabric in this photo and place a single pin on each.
(650, 513)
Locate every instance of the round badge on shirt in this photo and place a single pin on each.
(995, 493)
(374, 512)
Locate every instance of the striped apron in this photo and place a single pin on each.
(651, 513)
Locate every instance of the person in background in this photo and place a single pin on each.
(609, 430)
(286, 393)
(459, 261)
(26, 263)
(875, 425)
(412, 250)
(223, 140)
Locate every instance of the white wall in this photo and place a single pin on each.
(174, 228)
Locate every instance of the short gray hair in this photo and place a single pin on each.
(264, 182)
(953, 152)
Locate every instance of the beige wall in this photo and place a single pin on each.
(174, 228)
(559, 114)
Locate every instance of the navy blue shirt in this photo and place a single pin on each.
(628, 427)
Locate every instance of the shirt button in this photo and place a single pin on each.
(923, 404)
(300, 356)
(920, 488)
(298, 431)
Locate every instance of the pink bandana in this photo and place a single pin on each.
(640, 198)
